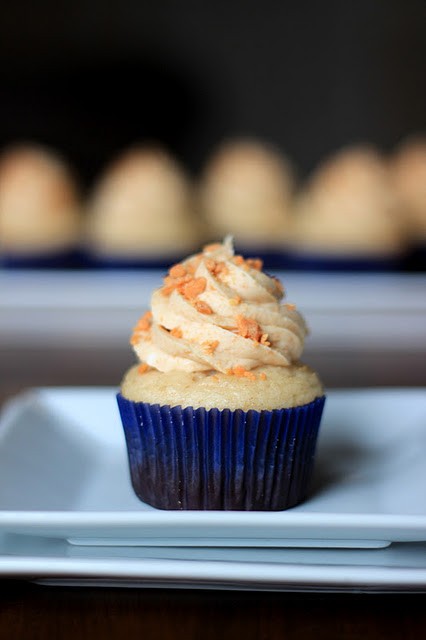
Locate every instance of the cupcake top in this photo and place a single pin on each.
(246, 190)
(219, 335)
(217, 311)
(39, 204)
(349, 207)
(142, 206)
(408, 174)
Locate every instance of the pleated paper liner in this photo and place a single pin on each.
(186, 458)
(344, 263)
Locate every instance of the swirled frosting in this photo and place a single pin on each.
(219, 312)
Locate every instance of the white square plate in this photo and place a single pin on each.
(64, 473)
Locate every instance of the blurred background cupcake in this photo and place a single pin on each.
(347, 216)
(39, 209)
(408, 174)
(141, 212)
(246, 191)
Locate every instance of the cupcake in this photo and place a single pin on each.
(220, 413)
(347, 216)
(408, 174)
(141, 212)
(246, 191)
(39, 209)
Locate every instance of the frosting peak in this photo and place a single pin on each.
(217, 311)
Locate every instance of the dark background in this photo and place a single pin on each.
(88, 78)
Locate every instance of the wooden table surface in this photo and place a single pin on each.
(29, 610)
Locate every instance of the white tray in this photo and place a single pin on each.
(64, 473)
(398, 568)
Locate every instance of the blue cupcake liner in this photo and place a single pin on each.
(271, 258)
(71, 259)
(416, 259)
(349, 263)
(122, 263)
(186, 458)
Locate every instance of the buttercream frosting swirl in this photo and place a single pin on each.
(219, 312)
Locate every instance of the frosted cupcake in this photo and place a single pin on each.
(220, 413)
(39, 209)
(142, 212)
(247, 191)
(347, 216)
(408, 174)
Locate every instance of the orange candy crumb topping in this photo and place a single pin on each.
(255, 263)
(143, 325)
(203, 307)
(241, 372)
(210, 346)
(193, 288)
(143, 368)
(248, 328)
(177, 271)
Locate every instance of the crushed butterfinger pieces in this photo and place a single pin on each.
(143, 368)
(255, 263)
(248, 328)
(216, 267)
(177, 271)
(262, 375)
(290, 306)
(241, 372)
(170, 283)
(193, 288)
(235, 301)
(144, 322)
(143, 325)
(203, 307)
(210, 346)
(176, 332)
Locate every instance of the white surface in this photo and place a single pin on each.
(64, 473)
(96, 308)
(400, 567)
